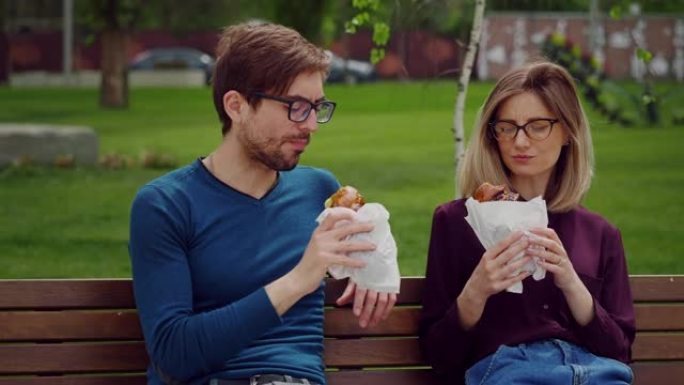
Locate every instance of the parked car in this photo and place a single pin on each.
(350, 71)
(174, 58)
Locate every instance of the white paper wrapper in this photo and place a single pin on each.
(381, 272)
(495, 220)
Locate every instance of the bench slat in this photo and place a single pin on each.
(404, 321)
(73, 358)
(343, 323)
(69, 325)
(658, 373)
(652, 317)
(117, 293)
(372, 353)
(382, 377)
(657, 288)
(653, 346)
(138, 379)
(339, 322)
(131, 356)
(339, 353)
(66, 294)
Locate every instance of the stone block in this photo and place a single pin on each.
(44, 144)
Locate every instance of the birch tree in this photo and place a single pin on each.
(464, 79)
(368, 10)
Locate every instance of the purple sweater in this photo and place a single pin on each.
(540, 312)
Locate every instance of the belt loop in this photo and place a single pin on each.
(276, 379)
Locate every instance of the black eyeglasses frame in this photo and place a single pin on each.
(492, 128)
(291, 101)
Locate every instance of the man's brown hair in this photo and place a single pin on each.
(261, 57)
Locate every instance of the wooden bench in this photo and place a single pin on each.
(86, 332)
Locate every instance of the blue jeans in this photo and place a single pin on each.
(547, 362)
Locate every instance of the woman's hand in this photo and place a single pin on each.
(553, 257)
(555, 260)
(495, 272)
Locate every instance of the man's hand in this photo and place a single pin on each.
(370, 306)
(328, 246)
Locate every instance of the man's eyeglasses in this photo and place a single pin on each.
(299, 109)
(538, 129)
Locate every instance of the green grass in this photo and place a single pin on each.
(391, 140)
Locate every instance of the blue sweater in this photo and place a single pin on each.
(201, 254)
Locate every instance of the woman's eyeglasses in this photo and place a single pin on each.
(299, 109)
(537, 129)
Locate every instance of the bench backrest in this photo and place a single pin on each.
(86, 331)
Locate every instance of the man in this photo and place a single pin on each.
(227, 260)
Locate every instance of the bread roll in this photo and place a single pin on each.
(346, 196)
(489, 192)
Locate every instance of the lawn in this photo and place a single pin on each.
(391, 140)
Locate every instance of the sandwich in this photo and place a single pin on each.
(346, 196)
(489, 192)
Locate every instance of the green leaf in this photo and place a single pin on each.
(359, 4)
(616, 12)
(349, 27)
(558, 39)
(376, 55)
(644, 55)
(381, 33)
(366, 4)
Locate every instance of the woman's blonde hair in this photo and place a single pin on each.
(572, 174)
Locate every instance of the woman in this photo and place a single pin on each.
(577, 324)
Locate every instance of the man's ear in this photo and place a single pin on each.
(234, 104)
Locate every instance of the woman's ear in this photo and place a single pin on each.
(234, 105)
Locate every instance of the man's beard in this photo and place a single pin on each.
(269, 152)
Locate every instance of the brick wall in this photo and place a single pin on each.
(510, 39)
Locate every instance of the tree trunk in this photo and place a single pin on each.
(466, 70)
(114, 84)
(4, 49)
(4, 58)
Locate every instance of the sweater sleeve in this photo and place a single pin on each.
(183, 344)
(444, 342)
(611, 332)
